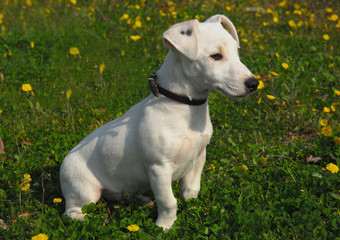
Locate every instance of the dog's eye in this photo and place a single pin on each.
(216, 57)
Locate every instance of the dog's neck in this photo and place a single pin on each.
(172, 77)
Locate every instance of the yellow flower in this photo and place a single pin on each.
(244, 167)
(32, 45)
(283, 3)
(333, 107)
(261, 85)
(275, 19)
(29, 3)
(259, 101)
(25, 186)
(292, 24)
(0, 111)
(285, 65)
(74, 51)
(337, 92)
(26, 87)
(325, 37)
(27, 178)
(326, 131)
(264, 160)
(332, 168)
(277, 54)
(74, 2)
(135, 37)
(125, 16)
(57, 200)
(333, 17)
(274, 74)
(270, 97)
(101, 68)
(297, 12)
(68, 94)
(324, 122)
(337, 140)
(40, 236)
(138, 24)
(133, 227)
(326, 110)
(212, 166)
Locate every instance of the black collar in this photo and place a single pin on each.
(156, 90)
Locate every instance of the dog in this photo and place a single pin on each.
(163, 138)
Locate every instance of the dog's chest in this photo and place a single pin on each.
(190, 151)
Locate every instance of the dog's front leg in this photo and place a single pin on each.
(160, 176)
(191, 183)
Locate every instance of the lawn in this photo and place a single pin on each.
(67, 67)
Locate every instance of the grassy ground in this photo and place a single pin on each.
(272, 162)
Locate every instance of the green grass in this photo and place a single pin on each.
(257, 183)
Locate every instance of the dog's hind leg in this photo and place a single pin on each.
(77, 196)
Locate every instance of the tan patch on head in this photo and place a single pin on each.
(224, 52)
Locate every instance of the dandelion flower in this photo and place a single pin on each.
(25, 186)
(57, 200)
(125, 16)
(337, 92)
(133, 228)
(135, 37)
(244, 167)
(274, 74)
(40, 236)
(27, 177)
(333, 107)
(68, 94)
(212, 166)
(101, 68)
(74, 2)
(277, 55)
(29, 3)
(333, 17)
(261, 85)
(326, 110)
(74, 51)
(259, 101)
(326, 131)
(324, 122)
(26, 87)
(325, 37)
(270, 97)
(332, 168)
(285, 65)
(138, 24)
(275, 19)
(292, 24)
(32, 44)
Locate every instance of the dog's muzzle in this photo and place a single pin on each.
(251, 84)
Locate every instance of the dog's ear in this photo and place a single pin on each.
(183, 37)
(225, 23)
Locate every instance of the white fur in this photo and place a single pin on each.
(160, 140)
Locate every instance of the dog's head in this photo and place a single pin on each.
(209, 55)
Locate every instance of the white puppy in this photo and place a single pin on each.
(164, 137)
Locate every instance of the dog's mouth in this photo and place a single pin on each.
(222, 91)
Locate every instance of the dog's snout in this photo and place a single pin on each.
(251, 84)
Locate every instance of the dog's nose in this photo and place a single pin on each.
(251, 83)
